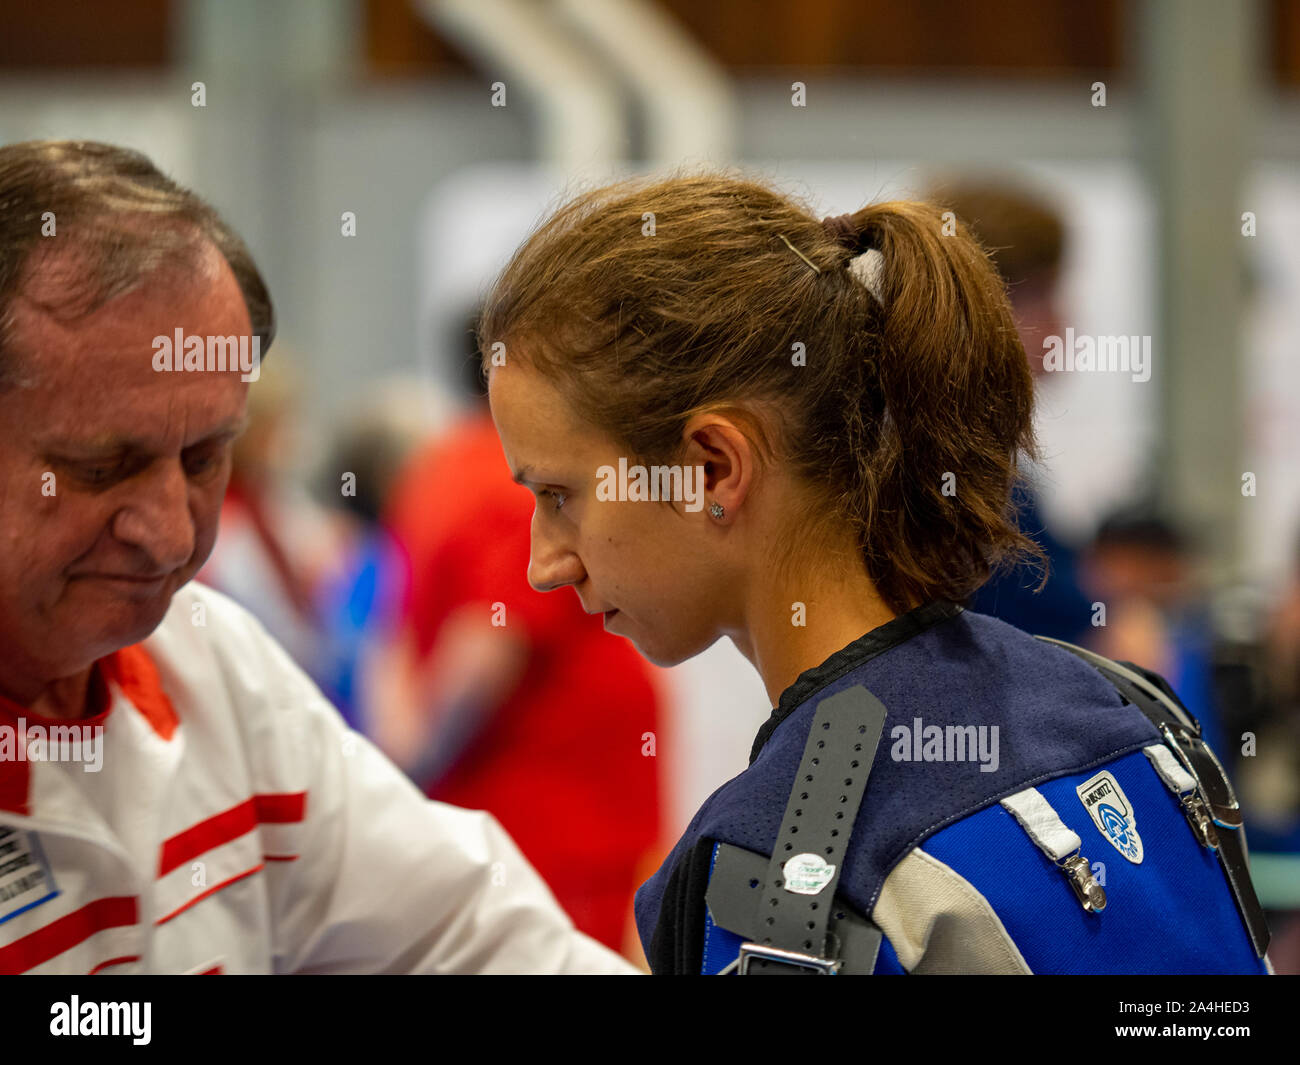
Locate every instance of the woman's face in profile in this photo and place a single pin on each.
(653, 568)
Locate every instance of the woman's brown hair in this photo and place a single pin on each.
(648, 301)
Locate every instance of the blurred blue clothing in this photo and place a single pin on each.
(357, 608)
(1060, 610)
(1191, 673)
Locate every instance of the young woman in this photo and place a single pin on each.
(740, 420)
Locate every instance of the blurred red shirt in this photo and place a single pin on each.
(560, 762)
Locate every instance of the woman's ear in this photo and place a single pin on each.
(721, 447)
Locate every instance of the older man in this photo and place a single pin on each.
(175, 795)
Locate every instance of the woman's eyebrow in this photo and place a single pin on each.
(531, 475)
(527, 475)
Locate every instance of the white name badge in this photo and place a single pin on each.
(25, 876)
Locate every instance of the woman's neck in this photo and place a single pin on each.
(797, 620)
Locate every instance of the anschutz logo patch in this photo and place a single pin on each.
(1112, 813)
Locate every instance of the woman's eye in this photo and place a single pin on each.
(559, 497)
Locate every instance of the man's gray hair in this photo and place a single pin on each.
(124, 218)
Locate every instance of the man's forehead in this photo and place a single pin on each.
(92, 380)
(70, 277)
(118, 338)
(180, 410)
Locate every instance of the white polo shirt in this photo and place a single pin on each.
(237, 825)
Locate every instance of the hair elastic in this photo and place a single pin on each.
(843, 230)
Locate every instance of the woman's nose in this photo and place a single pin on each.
(552, 565)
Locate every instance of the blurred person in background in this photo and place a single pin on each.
(1279, 798)
(496, 697)
(276, 545)
(1025, 238)
(1143, 570)
(359, 600)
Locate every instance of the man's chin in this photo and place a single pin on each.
(130, 619)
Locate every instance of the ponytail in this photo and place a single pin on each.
(955, 399)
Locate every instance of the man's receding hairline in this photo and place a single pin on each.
(199, 260)
(203, 262)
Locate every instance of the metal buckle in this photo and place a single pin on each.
(1091, 895)
(1200, 820)
(1212, 784)
(750, 951)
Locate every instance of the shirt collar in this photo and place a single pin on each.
(864, 648)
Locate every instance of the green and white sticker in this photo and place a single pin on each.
(807, 874)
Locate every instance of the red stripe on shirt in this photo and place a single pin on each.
(203, 837)
(66, 932)
(230, 824)
(283, 809)
(113, 961)
(14, 782)
(212, 890)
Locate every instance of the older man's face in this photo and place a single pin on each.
(91, 556)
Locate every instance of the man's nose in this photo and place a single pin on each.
(158, 520)
(552, 565)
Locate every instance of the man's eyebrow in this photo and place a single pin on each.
(235, 428)
(114, 444)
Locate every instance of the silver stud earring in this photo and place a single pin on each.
(716, 509)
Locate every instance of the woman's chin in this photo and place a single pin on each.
(663, 655)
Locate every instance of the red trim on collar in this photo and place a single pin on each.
(13, 786)
(98, 696)
(15, 773)
(132, 670)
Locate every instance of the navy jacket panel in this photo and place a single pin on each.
(1041, 713)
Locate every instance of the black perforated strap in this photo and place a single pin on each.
(736, 881)
(799, 886)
